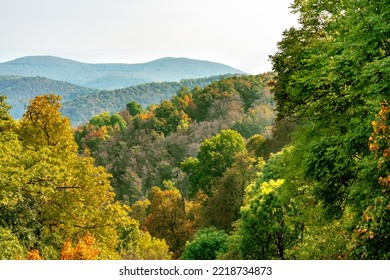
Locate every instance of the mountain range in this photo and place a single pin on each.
(83, 107)
(81, 103)
(113, 75)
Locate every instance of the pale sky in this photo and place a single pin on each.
(239, 33)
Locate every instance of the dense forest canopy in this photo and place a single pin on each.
(293, 164)
(150, 149)
(52, 198)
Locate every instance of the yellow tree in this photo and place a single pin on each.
(167, 218)
(69, 195)
(43, 125)
(139, 211)
(151, 248)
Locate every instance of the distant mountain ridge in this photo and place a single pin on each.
(114, 75)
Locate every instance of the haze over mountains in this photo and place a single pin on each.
(113, 75)
(89, 89)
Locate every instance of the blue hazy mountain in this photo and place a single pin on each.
(82, 103)
(19, 91)
(113, 75)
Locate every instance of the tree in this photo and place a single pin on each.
(256, 145)
(98, 130)
(6, 121)
(207, 244)
(247, 88)
(34, 255)
(117, 122)
(263, 229)
(42, 125)
(139, 211)
(282, 219)
(222, 209)
(215, 156)
(134, 108)
(51, 194)
(167, 219)
(255, 121)
(167, 119)
(89, 137)
(4, 108)
(373, 229)
(103, 119)
(10, 247)
(84, 250)
(151, 248)
(331, 73)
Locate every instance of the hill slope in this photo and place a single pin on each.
(19, 90)
(111, 76)
(82, 108)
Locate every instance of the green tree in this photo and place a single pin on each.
(103, 119)
(331, 74)
(256, 145)
(207, 244)
(4, 108)
(134, 108)
(247, 88)
(167, 118)
(222, 209)
(98, 130)
(151, 248)
(263, 230)
(6, 121)
(117, 121)
(10, 247)
(215, 156)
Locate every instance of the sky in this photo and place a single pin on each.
(239, 33)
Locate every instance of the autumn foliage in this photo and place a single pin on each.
(84, 249)
(34, 255)
(372, 232)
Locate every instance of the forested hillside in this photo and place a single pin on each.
(168, 160)
(55, 204)
(331, 88)
(149, 150)
(293, 164)
(19, 90)
(72, 213)
(81, 109)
